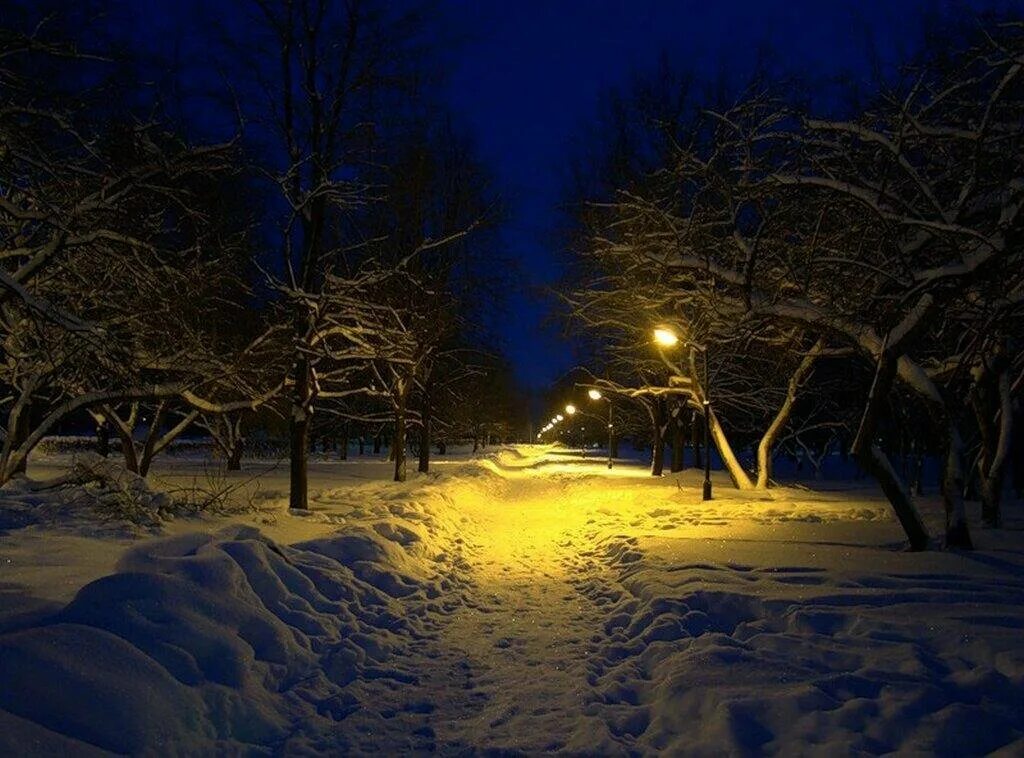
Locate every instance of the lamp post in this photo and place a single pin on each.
(570, 411)
(707, 429)
(596, 395)
(664, 337)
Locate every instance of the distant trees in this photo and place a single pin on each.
(370, 209)
(774, 238)
(327, 252)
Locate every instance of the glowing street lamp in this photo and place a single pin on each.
(595, 395)
(560, 417)
(667, 338)
(570, 410)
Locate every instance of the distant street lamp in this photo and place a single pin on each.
(596, 395)
(667, 338)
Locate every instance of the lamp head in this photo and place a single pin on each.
(665, 337)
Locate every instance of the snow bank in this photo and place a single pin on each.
(709, 658)
(526, 603)
(219, 644)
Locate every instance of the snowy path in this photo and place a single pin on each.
(523, 603)
(613, 615)
(524, 635)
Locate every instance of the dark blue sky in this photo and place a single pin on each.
(526, 78)
(531, 73)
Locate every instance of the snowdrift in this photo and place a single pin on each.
(726, 658)
(520, 604)
(231, 643)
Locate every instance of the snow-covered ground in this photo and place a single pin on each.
(525, 601)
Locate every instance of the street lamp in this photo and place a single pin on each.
(596, 395)
(570, 410)
(667, 338)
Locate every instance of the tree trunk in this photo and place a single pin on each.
(658, 448)
(771, 434)
(957, 533)
(149, 450)
(298, 433)
(399, 445)
(376, 444)
(695, 437)
(678, 441)
(343, 443)
(873, 460)
(235, 457)
(996, 449)
(425, 418)
(131, 458)
(362, 442)
(615, 446)
(20, 433)
(739, 477)
(103, 438)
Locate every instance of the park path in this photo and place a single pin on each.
(524, 635)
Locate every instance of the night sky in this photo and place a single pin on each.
(531, 73)
(526, 78)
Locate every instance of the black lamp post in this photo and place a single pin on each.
(707, 430)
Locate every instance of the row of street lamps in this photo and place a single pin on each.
(663, 338)
(571, 410)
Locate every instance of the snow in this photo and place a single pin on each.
(523, 601)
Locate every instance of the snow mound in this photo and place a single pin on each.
(226, 643)
(781, 660)
(97, 496)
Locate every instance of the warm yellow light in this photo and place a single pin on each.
(665, 337)
(570, 409)
(560, 417)
(594, 394)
